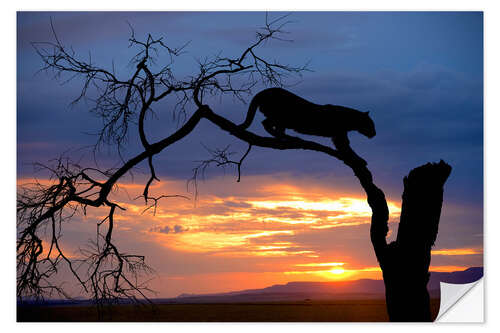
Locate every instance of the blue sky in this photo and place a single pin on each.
(420, 74)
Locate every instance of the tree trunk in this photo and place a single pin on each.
(405, 262)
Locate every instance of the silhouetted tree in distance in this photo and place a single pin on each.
(110, 274)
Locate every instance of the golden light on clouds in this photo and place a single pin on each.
(456, 252)
(280, 231)
(321, 264)
(262, 223)
(260, 220)
(342, 207)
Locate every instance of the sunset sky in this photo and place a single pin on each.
(295, 215)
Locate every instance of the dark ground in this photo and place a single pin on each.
(302, 311)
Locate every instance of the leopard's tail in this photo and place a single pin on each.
(252, 110)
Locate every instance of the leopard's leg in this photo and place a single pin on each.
(341, 142)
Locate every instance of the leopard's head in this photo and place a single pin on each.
(366, 125)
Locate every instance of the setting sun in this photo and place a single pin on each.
(337, 271)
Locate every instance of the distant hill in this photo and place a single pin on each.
(459, 277)
(299, 291)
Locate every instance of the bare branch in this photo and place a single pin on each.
(123, 103)
(220, 157)
(157, 199)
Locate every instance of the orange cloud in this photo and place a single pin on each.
(447, 268)
(321, 264)
(456, 252)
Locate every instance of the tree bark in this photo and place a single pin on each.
(405, 262)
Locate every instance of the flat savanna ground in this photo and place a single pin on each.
(305, 311)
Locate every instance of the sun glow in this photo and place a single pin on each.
(337, 271)
(336, 274)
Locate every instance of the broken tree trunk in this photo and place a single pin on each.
(405, 262)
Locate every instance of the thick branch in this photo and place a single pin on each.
(287, 142)
(153, 149)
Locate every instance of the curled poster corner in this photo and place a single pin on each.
(461, 302)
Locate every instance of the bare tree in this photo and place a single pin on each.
(111, 274)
